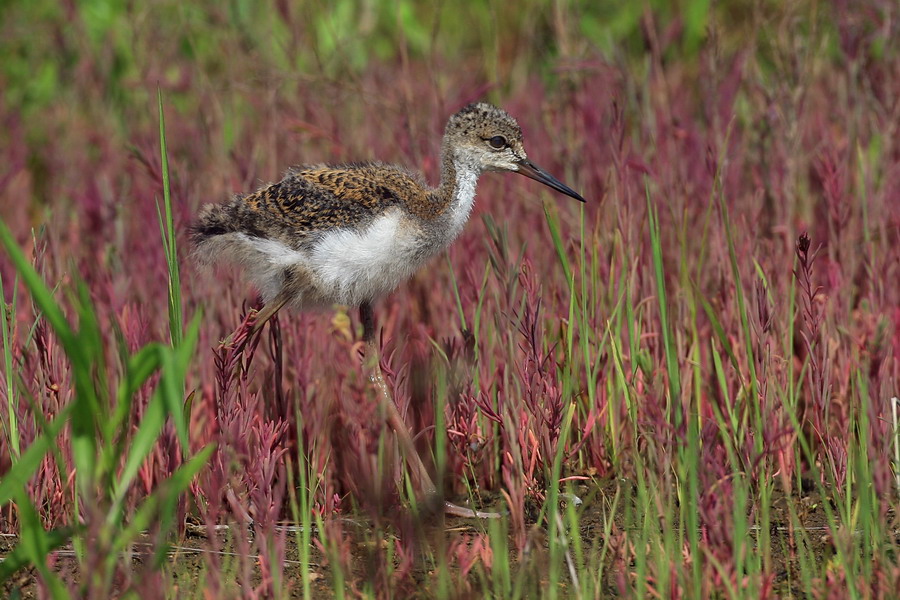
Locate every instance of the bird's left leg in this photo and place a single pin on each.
(262, 316)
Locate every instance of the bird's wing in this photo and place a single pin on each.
(315, 198)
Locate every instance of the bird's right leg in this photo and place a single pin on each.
(396, 422)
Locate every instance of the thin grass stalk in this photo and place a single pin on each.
(578, 563)
(690, 462)
(816, 476)
(674, 404)
(870, 538)
(501, 573)
(555, 527)
(624, 388)
(895, 402)
(648, 522)
(11, 425)
(296, 511)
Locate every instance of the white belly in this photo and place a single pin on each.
(348, 266)
(356, 266)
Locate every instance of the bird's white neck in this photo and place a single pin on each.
(465, 179)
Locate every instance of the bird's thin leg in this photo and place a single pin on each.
(396, 422)
(265, 313)
(394, 419)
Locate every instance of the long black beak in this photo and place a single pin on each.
(529, 169)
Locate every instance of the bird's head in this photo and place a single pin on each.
(486, 138)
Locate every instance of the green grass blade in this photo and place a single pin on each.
(18, 475)
(81, 349)
(717, 329)
(12, 430)
(168, 236)
(166, 400)
(167, 495)
(142, 443)
(181, 359)
(668, 344)
(89, 414)
(161, 502)
(455, 286)
(40, 293)
(553, 224)
(139, 368)
(35, 543)
(21, 555)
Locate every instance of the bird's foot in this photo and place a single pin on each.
(565, 497)
(467, 513)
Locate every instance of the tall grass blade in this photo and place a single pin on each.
(35, 543)
(665, 326)
(18, 475)
(40, 294)
(168, 236)
(11, 426)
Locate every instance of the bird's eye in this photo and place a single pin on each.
(497, 142)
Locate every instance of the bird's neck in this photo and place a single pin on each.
(455, 195)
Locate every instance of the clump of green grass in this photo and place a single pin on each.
(103, 450)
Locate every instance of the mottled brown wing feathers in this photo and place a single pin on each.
(315, 198)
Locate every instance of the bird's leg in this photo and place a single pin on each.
(396, 422)
(262, 316)
(394, 419)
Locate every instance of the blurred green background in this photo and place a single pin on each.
(105, 56)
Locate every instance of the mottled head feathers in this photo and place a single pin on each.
(485, 137)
